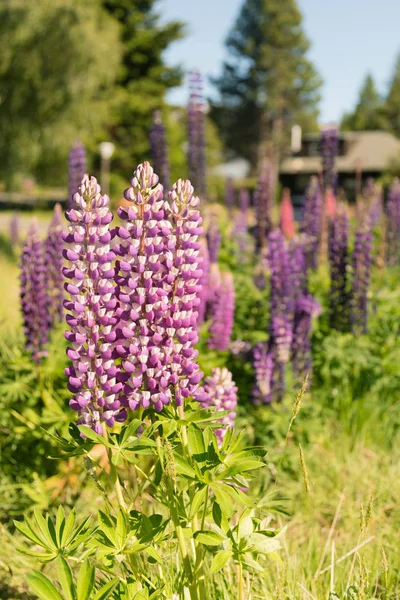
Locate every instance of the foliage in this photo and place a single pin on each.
(369, 113)
(268, 83)
(56, 69)
(143, 77)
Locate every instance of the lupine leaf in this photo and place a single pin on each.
(42, 586)
(65, 579)
(220, 560)
(104, 592)
(85, 581)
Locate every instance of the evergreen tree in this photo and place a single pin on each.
(393, 101)
(268, 83)
(369, 114)
(143, 78)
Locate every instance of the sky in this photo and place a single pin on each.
(349, 38)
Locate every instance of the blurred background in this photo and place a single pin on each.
(97, 70)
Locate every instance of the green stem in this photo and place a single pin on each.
(240, 581)
(114, 477)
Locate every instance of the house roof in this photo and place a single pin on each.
(370, 150)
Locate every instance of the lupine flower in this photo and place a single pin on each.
(196, 133)
(263, 203)
(330, 204)
(305, 309)
(339, 299)
(329, 150)
(263, 364)
(393, 224)
(213, 241)
(376, 209)
(240, 235)
(76, 169)
(222, 311)
(33, 295)
(362, 258)
(91, 309)
(239, 347)
(53, 248)
(159, 149)
(287, 215)
(220, 391)
(311, 221)
(229, 194)
(244, 202)
(157, 287)
(281, 308)
(14, 230)
(204, 264)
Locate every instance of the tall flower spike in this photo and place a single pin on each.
(329, 150)
(53, 248)
(263, 203)
(91, 309)
(281, 309)
(229, 195)
(143, 288)
(311, 222)
(222, 312)
(263, 364)
(244, 201)
(157, 286)
(339, 298)
(213, 241)
(361, 276)
(159, 149)
(181, 321)
(393, 224)
(196, 134)
(220, 391)
(287, 215)
(33, 294)
(76, 169)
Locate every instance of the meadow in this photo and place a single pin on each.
(323, 457)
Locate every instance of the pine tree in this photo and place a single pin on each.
(143, 77)
(393, 101)
(268, 83)
(369, 113)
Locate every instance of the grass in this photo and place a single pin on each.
(9, 301)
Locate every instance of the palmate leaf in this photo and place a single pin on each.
(220, 560)
(42, 586)
(85, 583)
(208, 538)
(65, 579)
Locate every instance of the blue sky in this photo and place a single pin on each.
(348, 39)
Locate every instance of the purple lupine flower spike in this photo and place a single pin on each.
(222, 313)
(393, 225)
(229, 195)
(263, 203)
(53, 248)
(263, 364)
(76, 169)
(159, 150)
(329, 150)
(196, 134)
(362, 259)
(185, 278)
(339, 297)
(15, 230)
(143, 268)
(281, 311)
(157, 287)
(33, 295)
(213, 241)
(244, 201)
(305, 308)
(91, 309)
(204, 263)
(220, 391)
(311, 222)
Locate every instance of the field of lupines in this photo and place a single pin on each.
(221, 419)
